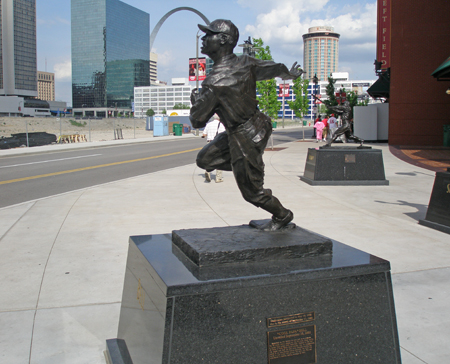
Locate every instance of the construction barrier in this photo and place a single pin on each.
(72, 138)
(118, 134)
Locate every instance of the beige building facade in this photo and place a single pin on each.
(153, 68)
(320, 52)
(46, 86)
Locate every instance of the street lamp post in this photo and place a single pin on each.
(26, 121)
(196, 68)
(283, 95)
(114, 122)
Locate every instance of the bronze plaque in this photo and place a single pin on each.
(293, 346)
(350, 158)
(297, 318)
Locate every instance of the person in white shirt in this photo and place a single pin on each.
(332, 124)
(212, 129)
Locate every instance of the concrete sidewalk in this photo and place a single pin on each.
(63, 257)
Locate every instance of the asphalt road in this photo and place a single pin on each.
(25, 178)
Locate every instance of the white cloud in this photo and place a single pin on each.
(63, 71)
(169, 65)
(281, 25)
(359, 24)
(268, 5)
(284, 22)
(289, 20)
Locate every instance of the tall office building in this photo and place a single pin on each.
(320, 52)
(18, 69)
(110, 54)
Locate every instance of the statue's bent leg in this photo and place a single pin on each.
(248, 170)
(215, 154)
(355, 138)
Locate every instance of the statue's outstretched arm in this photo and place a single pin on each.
(266, 70)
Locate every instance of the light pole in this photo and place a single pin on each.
(196, 68)
(196, 56)
(26, 121)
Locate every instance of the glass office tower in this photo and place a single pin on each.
(110, 53)
(18, 67)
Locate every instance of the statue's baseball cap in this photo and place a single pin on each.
(221, 26)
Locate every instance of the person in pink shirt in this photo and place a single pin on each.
(319, 125)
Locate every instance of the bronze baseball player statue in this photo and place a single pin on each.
(344, 109)
(230, 91)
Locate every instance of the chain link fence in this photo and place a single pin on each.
(68, 130)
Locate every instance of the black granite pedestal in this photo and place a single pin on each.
(240, 295)
(438, 213)
(344, 166)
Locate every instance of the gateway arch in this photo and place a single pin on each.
(163, 19)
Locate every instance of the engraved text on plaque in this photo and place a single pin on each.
(293, 346)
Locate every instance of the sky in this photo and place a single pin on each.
(279, 23)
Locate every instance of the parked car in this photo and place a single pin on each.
(9, 142)
(35, 139)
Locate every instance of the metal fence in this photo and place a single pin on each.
(70, 129)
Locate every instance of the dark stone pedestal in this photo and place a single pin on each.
(344, 166)
(309, 300)
(438, 213)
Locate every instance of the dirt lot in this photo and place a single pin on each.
(100, 129)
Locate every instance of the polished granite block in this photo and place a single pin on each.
(344, 166)
(438, 213)
(117, 352)
(233, 244)
(335, 308)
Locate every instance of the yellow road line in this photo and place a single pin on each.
(95, 167)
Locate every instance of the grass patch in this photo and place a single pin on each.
(76, 123)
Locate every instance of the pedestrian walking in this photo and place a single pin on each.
(319, 126)
(211, 131)
(332, 125)
(325, 128)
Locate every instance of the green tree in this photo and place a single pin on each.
(150, 112)
(164, 112)
(301, 103)
(331, 94)
(181, 106)
(354, 101)
(364, 102)
(268, 101)
(352, 97)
